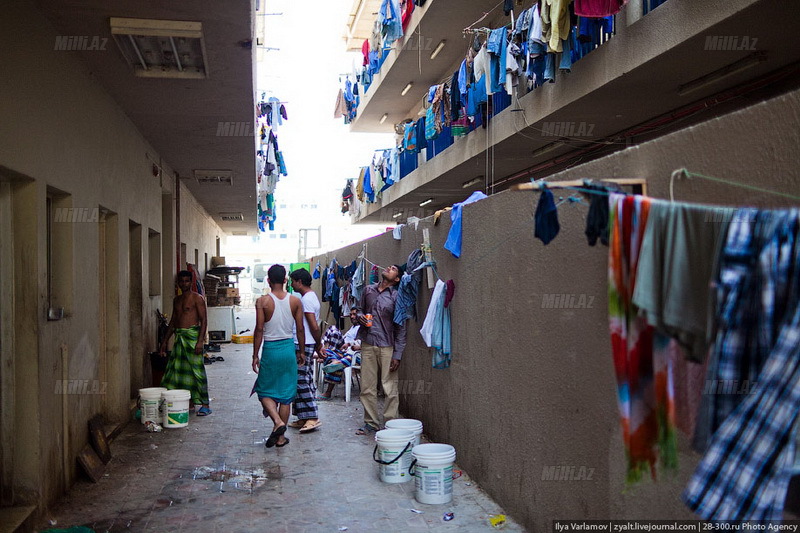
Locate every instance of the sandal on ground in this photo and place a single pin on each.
(204, 411)
(274, 436)
(282, 445)
(366, 430)
(297, 424)
(219, 358)
(322, 398)
(310, 426)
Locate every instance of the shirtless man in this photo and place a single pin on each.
(185, 369)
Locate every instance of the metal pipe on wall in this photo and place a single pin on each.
(177, 222)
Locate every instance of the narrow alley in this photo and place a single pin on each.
(216, 475)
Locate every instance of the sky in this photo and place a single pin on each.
(320, 152)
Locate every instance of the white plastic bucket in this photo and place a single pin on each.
(393, 453)
(433, 473)
(176, 408)
(149, 404)
(414, 426)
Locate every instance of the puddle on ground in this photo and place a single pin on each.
(246, 480)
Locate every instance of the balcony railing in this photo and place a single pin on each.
(584, 37)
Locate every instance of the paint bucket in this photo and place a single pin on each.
(175, 404)
(433, 472)
(414, 426)
(393, 454)
(149, 404)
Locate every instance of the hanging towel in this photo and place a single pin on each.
(546, 218)
(453, 243)
(679, 249)
(436, 328)
(641, 358)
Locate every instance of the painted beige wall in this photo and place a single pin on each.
(63, 131)
(530, 387)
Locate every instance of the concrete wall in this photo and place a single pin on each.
(64, 138)
(531, 388)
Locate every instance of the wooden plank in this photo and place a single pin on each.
(91, 463)
(578, 183)
(98, 440)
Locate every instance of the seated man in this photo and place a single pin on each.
(339, 352)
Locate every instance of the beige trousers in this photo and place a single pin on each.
(375, 361)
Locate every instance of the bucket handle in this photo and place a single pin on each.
(411, 469)
(375, 451)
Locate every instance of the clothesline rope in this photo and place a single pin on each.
(468, 29)
(689, 174)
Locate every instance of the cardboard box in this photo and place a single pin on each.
(228, 292)
(242, 339)
(217, 261)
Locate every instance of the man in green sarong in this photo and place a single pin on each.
(185, 369)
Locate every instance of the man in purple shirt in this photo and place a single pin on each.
(382, 346)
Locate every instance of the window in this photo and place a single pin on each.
(282, 206)
(283, 235)
(273, 236)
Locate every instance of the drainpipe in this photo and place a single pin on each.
(178, 222)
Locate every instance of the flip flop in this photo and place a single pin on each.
(203, 411)
(273, 437)
(321, 398)
(219, 358)
(310, 427)
(282, 445)
(297, 424)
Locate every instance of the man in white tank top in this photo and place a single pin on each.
(277, 314)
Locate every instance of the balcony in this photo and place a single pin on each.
(632, 88)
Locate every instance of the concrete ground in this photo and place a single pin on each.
(217, 475)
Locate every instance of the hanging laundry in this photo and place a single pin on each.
(390, 18)
(641, 363)
(597, 218)
(358, 282)
(555, 23)
(405, 306)
(397, 232)
(315, 275)
(406, 8)
(368, 190)
(679, 249)
(453, 242)
(496, 45)
(546, 225)
(436, 327)
(598, 8)
(374, 274)
(754, 292)
(746, 471)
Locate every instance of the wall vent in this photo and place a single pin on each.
(220, 177)
(231, 217)
(161, 48)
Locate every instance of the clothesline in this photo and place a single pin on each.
(688, 174)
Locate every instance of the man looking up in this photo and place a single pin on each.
(382, 345)
(305, 405)
(185, 369)
(276, 314)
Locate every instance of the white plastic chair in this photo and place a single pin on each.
(348, 378)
